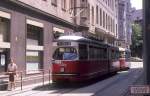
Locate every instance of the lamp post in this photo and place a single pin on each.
(146, 15)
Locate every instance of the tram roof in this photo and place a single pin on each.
(81, 39)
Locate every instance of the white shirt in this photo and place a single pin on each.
(12, 67)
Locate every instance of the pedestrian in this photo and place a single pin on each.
(12, 69)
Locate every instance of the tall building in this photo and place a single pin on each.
(137, 16)
(124, 22)
(97, 19)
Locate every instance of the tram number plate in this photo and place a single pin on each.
(62, 69)
(141, 89)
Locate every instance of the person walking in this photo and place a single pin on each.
(12, 69)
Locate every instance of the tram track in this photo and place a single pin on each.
(100, 85)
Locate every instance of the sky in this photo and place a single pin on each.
(137, 4)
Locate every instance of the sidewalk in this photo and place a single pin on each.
(139, 81)
(24, 89)
(117, 85)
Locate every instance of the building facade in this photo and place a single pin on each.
(98, 18)
(27, 29)
(137, 16)
(124, 23)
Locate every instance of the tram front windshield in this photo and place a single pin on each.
(122, 54)
(65, 53)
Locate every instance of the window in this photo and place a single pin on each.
(97, 53)
(92, 15)
(106, 21)
(34, 61)
(103, 19)
(113, 4)
(65, 53)
(4, 29)
(108, 2)
(34, 35)
(2, 59)
(54, 2)
(88, 11)
(100, 17)
(112, 54)
(83, 52)
(109, 23)
(34, 46)
(97, 14)
(63, 4)
(113, 25)
(91, 52)
(71, 5)
(116, 29)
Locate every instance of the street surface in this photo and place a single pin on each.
(110, 85)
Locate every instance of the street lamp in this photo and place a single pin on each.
(146, 15)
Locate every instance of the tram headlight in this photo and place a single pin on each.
(56, 61)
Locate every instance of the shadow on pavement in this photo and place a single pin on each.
(110, 79)
(72, 85)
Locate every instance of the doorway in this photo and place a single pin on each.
(4, 59)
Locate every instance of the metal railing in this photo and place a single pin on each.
(26, 76)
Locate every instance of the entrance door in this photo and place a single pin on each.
(4, 59)
(2, 62)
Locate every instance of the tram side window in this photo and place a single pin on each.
(83, 52)
(91, 52)
(100, 53)
(104, 54)
(112, 54)
(97, 53)
(117, 54)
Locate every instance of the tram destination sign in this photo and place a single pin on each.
(63, 43)
(140, 89)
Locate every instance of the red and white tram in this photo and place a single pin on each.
(77, 58)
(124, 58)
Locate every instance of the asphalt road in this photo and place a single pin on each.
(109, 85)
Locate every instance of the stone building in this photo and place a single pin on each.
(27, 29)
(124, 23)
(137, 16)
(98, 19)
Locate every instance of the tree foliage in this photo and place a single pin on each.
(137, 40)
